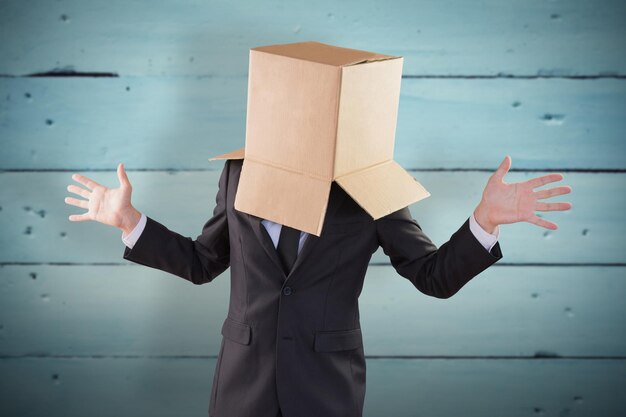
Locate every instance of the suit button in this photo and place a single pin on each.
(287, 291)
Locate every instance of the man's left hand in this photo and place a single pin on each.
(504, 203)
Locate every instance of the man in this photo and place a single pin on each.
(292, 339)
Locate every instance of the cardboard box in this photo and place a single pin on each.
(319, 113)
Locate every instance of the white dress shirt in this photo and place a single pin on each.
(485, 238)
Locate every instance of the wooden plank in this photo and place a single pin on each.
(522, 37)
(495, 388)
(504, 311)
(34, 216)
(179, 122)
(104, 387)
(173, 387)
(104, 310)
(585, 233)
(135, 310)
(91, 123)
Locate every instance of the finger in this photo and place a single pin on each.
(503, 168)
(87, 182)
(539, 206)
(542, 222)
(121, 175)
(551, 192)
(76, 202)
(544, 179)
(78, 190)
(78, 217)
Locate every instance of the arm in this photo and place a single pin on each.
(444, 271)
(198, 261)
(438, 272)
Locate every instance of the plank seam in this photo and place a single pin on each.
(176, 170)
(374, 357)
(498, 264)
(105, 74)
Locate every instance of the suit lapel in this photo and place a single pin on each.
(334, 201)
(265, 240)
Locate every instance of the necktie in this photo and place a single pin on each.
(288, 246)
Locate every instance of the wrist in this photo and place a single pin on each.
(129, 220)
(481, 214)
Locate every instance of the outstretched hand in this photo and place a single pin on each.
(111, 206)
(504, 203)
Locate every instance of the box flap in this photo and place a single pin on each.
(238, 154)
(285, 197)
(323, 53)
(383, 188)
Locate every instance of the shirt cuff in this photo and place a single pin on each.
(133, 236)
(485, 238)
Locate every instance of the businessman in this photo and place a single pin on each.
(292, 342)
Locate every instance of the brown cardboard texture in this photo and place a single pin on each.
(319, 113)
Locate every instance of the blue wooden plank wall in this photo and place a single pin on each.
(161, 86)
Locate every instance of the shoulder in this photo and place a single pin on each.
(231, 167)
(235, 163)
(229, 177)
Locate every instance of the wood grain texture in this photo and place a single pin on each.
(135, 311)
(162, 86)
(36, 227)
(448, 37)
(178, 122)
(407, 388)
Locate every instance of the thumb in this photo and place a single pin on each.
(121, 175)
(503, 168)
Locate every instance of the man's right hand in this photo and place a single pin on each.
(109, 206)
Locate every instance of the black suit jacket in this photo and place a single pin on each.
(295, 341)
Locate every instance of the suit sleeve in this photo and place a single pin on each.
(437, 272)
(198, 261)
